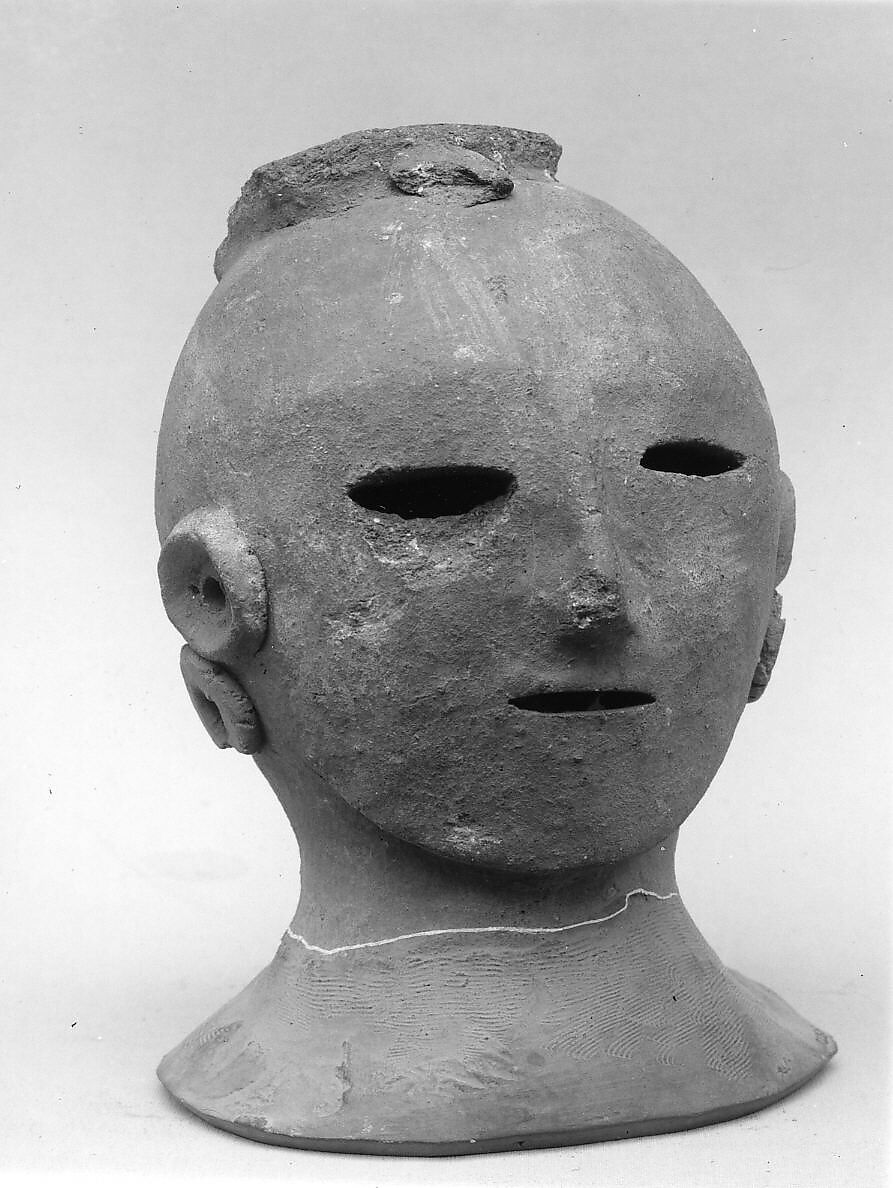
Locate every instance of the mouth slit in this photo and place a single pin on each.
(581, 701)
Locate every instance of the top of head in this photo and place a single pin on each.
(423, 158)
(393, 266)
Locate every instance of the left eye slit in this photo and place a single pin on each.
(431, 492)
(696, 458)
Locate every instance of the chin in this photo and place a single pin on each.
(560, 821)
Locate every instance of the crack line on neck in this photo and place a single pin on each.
(517, 930)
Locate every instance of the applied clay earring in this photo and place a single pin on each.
(224, 708)
(215, 594)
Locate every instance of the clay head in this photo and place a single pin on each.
(470, 502)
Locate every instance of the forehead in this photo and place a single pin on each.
(389, 335)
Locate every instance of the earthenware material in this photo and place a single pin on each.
(472, 518)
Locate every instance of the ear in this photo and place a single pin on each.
(215, 594)
(775, 627)
(787, 523)
(213, 586)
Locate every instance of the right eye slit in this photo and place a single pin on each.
(431, 492)
(696, 458)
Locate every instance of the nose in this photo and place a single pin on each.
(575, 580)
(595, 601)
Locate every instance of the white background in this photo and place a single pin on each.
(145, 876)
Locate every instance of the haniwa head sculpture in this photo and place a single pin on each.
(472, 520)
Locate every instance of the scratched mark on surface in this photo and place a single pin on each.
(491, 928)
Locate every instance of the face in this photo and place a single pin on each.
(513, 486)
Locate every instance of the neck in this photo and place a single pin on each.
(361, 888)
(420, 1006)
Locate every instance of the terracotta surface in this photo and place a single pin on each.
(472, 521)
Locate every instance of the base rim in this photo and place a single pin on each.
(579, 1136)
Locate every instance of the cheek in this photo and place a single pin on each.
(364, 641)
(422, 602)
(700, 558)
